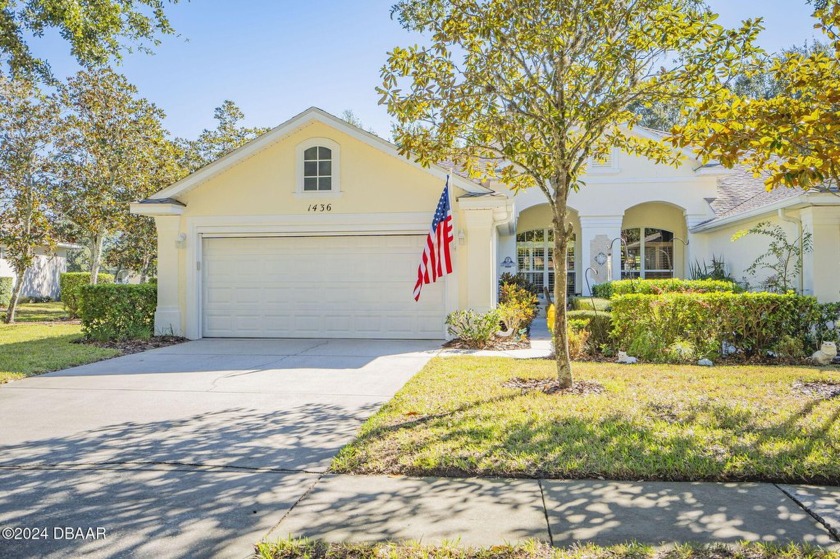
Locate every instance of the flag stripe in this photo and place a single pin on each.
(436, 260)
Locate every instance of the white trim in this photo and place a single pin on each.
(335, 165)
(313, 114)
(137, 208)
(788, 203)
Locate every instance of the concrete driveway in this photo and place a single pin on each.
(195, 450)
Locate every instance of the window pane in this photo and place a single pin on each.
(324, 153)
(311, 154)
(325, 168)
(310, 183)
(570, 257)
(325, 183)
(539, 259)
(631, 249)
(310, 169)
(524, 258)
(659, 250)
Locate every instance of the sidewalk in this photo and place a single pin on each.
(485, 512)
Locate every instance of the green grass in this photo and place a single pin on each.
(39, 312)
(30, 349)
(654, 422)
(306, 549)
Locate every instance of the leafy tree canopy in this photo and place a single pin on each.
(96, 31)
(531, 92)
(790, 138)
(228, 135)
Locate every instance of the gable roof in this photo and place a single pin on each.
(278, 133)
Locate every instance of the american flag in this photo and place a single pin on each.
(436, 260)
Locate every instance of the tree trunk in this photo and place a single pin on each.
(561, 339)
(96, 257)
(10, 312)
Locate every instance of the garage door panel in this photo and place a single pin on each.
(318, 287)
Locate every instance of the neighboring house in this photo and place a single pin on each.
(315, 229)
(42, 278)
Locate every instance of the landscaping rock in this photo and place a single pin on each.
(706, 363)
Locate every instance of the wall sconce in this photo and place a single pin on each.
(462, 237)
(507, 262)
(181, 241)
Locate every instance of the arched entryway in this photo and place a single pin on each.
(653, 241)
(535, 245)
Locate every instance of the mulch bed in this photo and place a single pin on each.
(822, 389)
(499, 344)
(127, 347)
(552, 386)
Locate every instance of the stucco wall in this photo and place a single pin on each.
(379, 194)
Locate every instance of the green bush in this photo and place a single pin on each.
(612, 289)
(599, 325)
(590, 304)
(5, 291)
(472, 328)
(70, 284)
(117, 311)
(514, 295)
(674, 326)
(512, 279)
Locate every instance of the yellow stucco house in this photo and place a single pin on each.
(315, 229)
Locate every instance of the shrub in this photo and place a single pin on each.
(649, 326)
(512, 279)
(475, 329)
(515, 316)
(70, 284)
(511, 294)
(5, 291)
(591, 304)
(599, 325)
(117, 311)
(613, 289)
(578, 343)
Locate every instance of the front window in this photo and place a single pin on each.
(535, 259)
(317, 169)
(647, 253)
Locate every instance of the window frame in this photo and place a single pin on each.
(641, 271)
(546, 271)
(335, 168)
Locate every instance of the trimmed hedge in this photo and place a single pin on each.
(70, 284)
(590, 304)
(610, 289)
(685, 326)
(117, 311)
(5, 291)
(599, 325)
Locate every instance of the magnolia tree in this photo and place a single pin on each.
(791, 138)
(530, 92)
(112, 149)
(97, 32)
(26, 124)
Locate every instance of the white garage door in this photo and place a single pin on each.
(311, 287)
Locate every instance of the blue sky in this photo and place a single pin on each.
(275, 58)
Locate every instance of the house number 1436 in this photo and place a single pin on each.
(319, 208)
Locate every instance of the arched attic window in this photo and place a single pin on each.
(318, 167)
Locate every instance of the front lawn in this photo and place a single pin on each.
(288, 549)
(31, 349)
(39, 312)
(653, 422)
